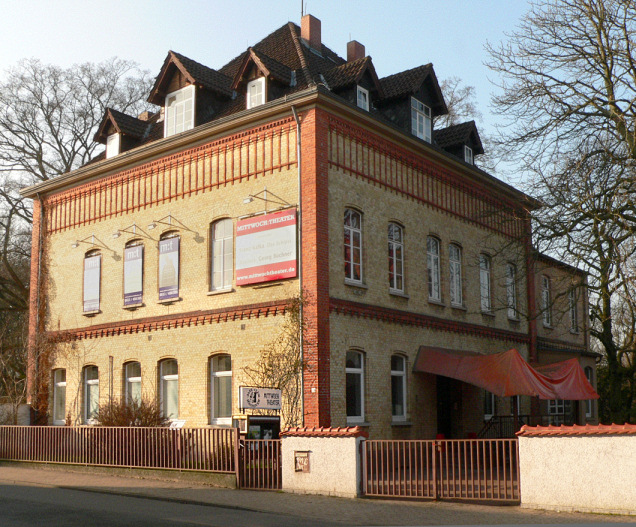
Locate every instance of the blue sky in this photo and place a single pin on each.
(398, 34)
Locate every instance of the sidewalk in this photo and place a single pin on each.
(328, 509)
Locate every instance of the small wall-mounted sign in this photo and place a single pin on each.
(252, 398)
(301, 461)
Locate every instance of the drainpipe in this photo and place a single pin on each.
(300, 268)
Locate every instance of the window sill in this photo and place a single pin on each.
(91, 313)
(132, 307)
(170, 301)
(59, 423)
(514, 319)
(575, 332)
(548, 326)
(358, 423)
(459, 307)
(401, 423)
(359, 285)
(436, 302)
(490, 314)
(221, 291)
(401, 294)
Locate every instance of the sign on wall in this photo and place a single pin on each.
(266, 247)
(133, 275)
(92, 273)
(168, 269)
(259, 398)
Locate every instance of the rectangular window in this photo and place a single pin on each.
(588, 404)
(133, 275)
(546, 301)
(256, 93)
(398, 388)
(169, 388)
(432, 265)
(396, 258)
(484, 283)
(59, 397)
(221, 389)
(169, 269)
(222, 254)
(574, 323)
(355, 387)
(133, 382)
(455, 262)
(559, 411)
(363, 98)
(489, 405)
(511, 290)
(179, 112)
(421, 122)
(468, 154)
(91, 393)
(353, 245)
(113, 145)
(92, 282)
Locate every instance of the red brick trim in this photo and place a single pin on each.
(559, 344)
(34, 293)
(396, 316)
(179, 320)
(576, 430)
(349, 431)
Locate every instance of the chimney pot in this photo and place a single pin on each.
(310, 31)
(355, 51)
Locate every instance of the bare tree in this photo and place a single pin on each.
(461, 103)
(13, 351)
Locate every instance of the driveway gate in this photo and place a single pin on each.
(260, 464)
(472, 469)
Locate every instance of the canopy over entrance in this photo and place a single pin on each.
(507, 373)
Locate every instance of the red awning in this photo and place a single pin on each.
(507, 373)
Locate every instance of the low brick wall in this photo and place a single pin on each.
(333, 457)
(579, 468)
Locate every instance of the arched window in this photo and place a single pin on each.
(546, 301)
(91, 393)
(169, 248)
(92, 281)
(398, 387)
(222, 257)
(396, 258)
(132, 387)
(455, 265)
(133, 273)
(221, 389)
(353, 245)
(169, 388)
(59, 397)
(354, 369)
(432, 265)
(485, 291)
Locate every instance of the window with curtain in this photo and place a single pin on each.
(222, 264)
(396, 258)
(221, 389)
(169, 388)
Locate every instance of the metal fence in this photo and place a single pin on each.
(473, 469)
(201, 449)
(260, 464)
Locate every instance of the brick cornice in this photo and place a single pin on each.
(178, 320)
(396, 316)
(546, 344)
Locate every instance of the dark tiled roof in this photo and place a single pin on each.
(277, 70)
(125, 124)
(346, 74)
(205, 76)
(459, 134)
(405, 82)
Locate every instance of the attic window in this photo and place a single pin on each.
(468, 155)
(113, 145)
(256, 92)
(420, 120)
(363, 98)
(179, 111)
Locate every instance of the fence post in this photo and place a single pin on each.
(435, 456)
(236, 458)
(363, 455)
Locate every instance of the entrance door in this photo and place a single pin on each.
(449, 407)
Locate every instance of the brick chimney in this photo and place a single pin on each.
(355, 51)
(310, 31)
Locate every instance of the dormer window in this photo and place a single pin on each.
(421, 120)
(179, 111)
(256, 92)
(363, 98)
(468, 155)
(113, 145)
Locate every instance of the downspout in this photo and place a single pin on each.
(300, 269)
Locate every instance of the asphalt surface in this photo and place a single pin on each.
(42, 496)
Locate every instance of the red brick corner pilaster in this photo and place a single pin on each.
(315, 272)
(34, 292)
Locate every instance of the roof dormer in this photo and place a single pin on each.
(121, 132)
(462, 140)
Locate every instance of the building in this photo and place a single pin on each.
(153, 280)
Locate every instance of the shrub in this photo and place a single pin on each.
(145, 412)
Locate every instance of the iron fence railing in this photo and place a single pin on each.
(260, 464)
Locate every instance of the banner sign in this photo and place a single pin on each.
(259, 398)
(92, 274)
(169, 269)
(133, 275)
(266, 247)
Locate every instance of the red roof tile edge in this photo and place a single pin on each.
(576, 430)
(314, 431)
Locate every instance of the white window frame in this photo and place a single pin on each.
(164, 379)
(485, 283)
(489, 400)
(558, 409)
(221, 421)
(352, 232)
(59, 388)
(511, 291)
(259, 97)
(171, 114)
(421, 120)
(356, 371)
(362, 98)
(433, 268)
(396, 258)
(113, 145)
(130, 380)
(89, 417)
(401, 375)
(574, 312)
(589, 375)
(226, 248)
(455, 270)
(546, 301)
(468, 155)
